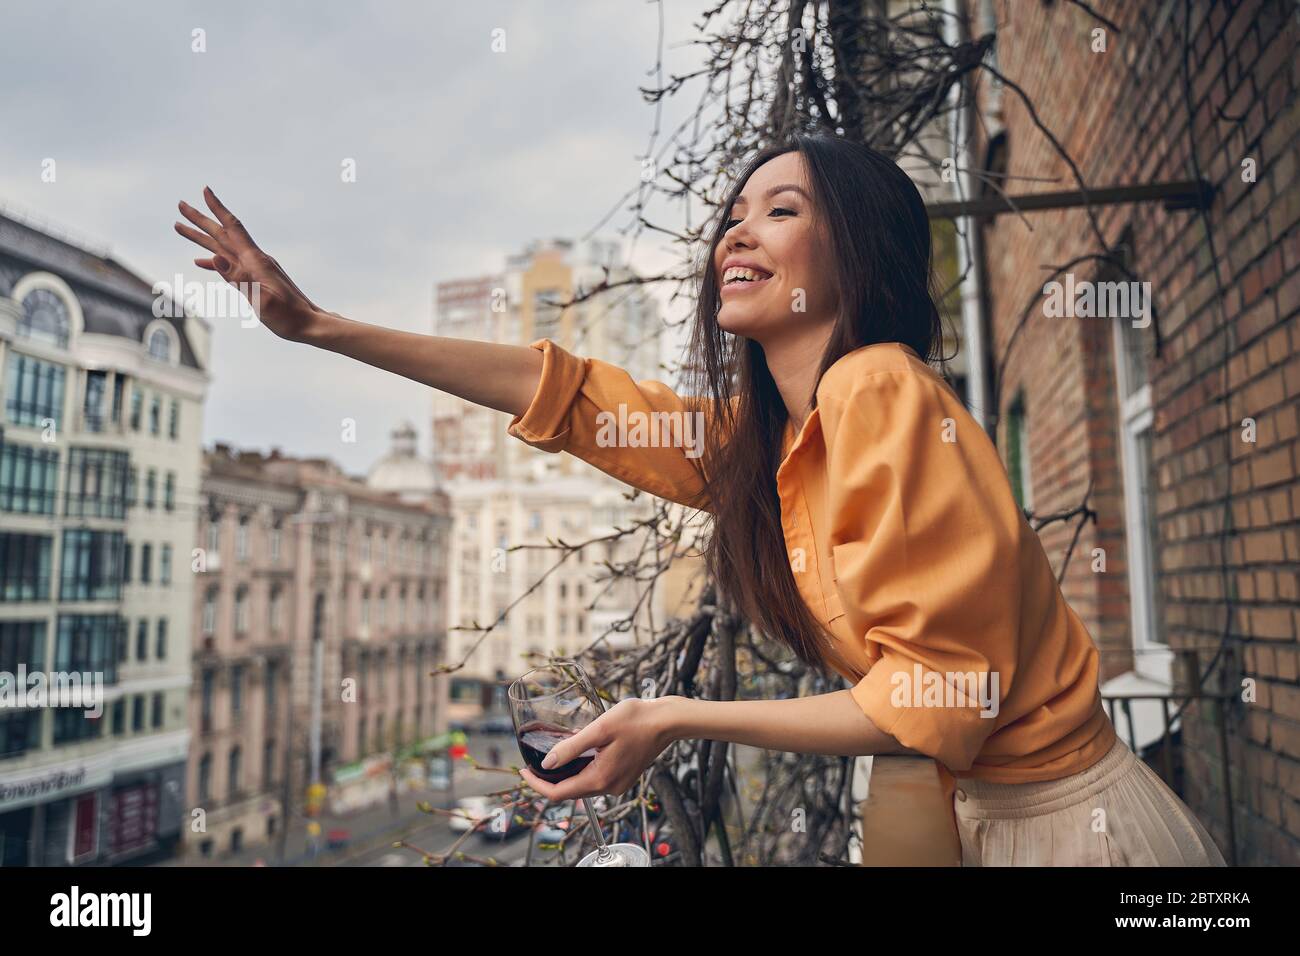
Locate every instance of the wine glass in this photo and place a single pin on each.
(548, 704)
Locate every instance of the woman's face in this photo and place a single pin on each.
(775, 231)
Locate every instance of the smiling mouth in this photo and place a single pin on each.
(744, 277)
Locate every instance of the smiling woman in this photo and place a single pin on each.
(859, 514)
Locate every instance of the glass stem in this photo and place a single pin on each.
(605, 852)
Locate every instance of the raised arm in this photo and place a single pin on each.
(641, 432)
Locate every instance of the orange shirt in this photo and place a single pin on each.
(905, 540)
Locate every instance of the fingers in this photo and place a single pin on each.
(570, 789)
(226, 217)
(593, 735)
(199, 238)
(210, 226)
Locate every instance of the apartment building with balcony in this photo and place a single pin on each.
(319, 613)
(99, 460)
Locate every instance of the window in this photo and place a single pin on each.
(151, 489)
(277, 609)
(268, 763)
(29, 478)
(142, 640)
(169, 492)
(137, 713)
(160, 346)
(127, 557)
(275, 542)
(237, 690)
(132, 486)
(92, 409)
(72, 724)
(146, 563)
(165, 565)
(1018, 453)
(160, 648)
(1136, 420)
(236, 771)
(205, 778)
(205, 702)
(92, 565)
(214, 533)
(241, 609)
(22, 642)
(241, 539)
(137, 408)
(155, 414)
(33, 391)
(272, 675)
(96, 483)
(174, 420)
(156, 719)
(119, 717)
(210, 612)
(89, 642)
(45, 318)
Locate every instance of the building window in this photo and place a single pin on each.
(155, 414)
(151, 489)
(156, 719)
(92, 565)
(205, 778)
(92, 407)
(241, 539)
(209, 683)
(165, 564)
(137, 713)
(89, 642)
(169, 491)
(277, 609)
(119, 717)
(237, 690)
(241, 609)
(268, 763)
(142, 639)
(1018, 453)
(45, 318)
(236, 771)
(128, 556)
(174, 420)
(132, 486)
(160, 648)
(1136, 421)
(214, 534)
(275, 542)
(160, 346)
(71, 724)
(96, 483)
(146, 563)
(29, 478)
(210, 611)
(33, 391)
(22, 642)
(137, 408)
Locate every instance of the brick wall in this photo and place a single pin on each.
(1229, 350)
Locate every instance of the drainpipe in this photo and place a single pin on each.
(970, 254)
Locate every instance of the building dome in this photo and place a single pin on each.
(402, 470)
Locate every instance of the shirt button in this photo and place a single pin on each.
(961, 795)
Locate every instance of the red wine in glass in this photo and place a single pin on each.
(537, 738)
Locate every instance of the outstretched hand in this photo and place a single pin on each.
(280, 305)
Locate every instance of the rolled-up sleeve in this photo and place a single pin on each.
(641, 432)
(925, 542)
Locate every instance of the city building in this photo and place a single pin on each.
(319, 616)
(99, 474)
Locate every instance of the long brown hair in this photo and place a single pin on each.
(879, 248)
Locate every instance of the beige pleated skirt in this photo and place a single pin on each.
(1118, 812)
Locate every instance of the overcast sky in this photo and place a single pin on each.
(462, 156)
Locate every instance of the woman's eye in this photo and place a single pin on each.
(788, 212)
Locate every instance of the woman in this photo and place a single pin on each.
(860, 515)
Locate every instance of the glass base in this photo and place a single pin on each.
(621, 854)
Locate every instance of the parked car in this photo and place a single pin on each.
(510, 823)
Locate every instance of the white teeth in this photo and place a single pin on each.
(736, 273)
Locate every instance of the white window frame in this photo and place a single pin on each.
(1137, 415)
